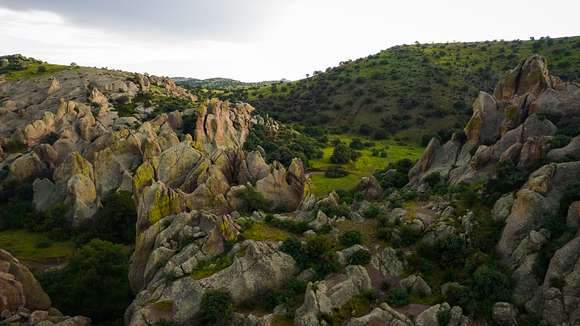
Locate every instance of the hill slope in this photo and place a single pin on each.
(409, 90)
(217, 83)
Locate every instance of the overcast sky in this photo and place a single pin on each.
(254, 40)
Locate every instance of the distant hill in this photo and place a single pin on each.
(411, 91)
(218, 83)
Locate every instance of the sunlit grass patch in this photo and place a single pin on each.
(261, 231)
(34, 247)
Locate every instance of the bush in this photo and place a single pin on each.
(335, 172)
(360, 257)
(94, 283)
(398, 297)
(433, 179)
(491, 284)
(350, 238)
(509, 178)
(343, 154)
(372, 211)
(289, 295)
(216, 308)
(334, 210)
(357, 144)
(317, 253)
(297, 227)
(252, 200)
(395, 175)
(114, 222)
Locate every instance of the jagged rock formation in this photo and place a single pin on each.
(323, 296)
(517, 124)
(505, 126)
(22, 299)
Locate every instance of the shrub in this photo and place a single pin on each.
(491, 284)
(216, 307)
(398, 297)
(252, 200)
(335, 210)
(357, 144)
(94, 283)
(54, 222)
(509, 178)
(317, 253)
(343, 154)
(433, 179)
(335, 172)
(114, 222)
(395, 175)
(290, 294)
(350, 238)
(372, 211)
(360, 257)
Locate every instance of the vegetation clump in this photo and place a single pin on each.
(94, 283)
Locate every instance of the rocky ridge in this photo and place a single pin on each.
(518, 125)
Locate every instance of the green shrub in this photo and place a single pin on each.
(350, 238)
(395, 175)
(317, 253)
(334, 210)
(491, 284)
(398, 297)
(114, 222)
(360, 257)
(164, 322)
(296, 227)
(373, 211)
(335, 172)
(343, 154)
(94, 283)
(216, 308)
(252, 200)
(289, 295)
(433, 179)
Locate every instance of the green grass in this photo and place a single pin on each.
(30, 247)
(32, 70)
(366, 164)
(261, 231)
(397, 88)
(212, 266)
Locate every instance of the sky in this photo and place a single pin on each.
(254, 40)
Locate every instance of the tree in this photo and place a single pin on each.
(93, 284)
(216, 307)
(343, 154)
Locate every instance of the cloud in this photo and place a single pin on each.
(256, 40)
(223, 20)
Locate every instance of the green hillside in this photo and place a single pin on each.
(218, 83)
(410, 91)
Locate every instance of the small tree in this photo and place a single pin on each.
(216, 307)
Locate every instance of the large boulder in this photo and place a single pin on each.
(382, 315)
(256, 267)
(18, 287)
(323, 296)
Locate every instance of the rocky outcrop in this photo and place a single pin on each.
(538, 199)
(506, 126)
(323, 296)
(219, 126)
(430, 317)
(382, 315)
(22, 299)
(256, 267)
(18, 286)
